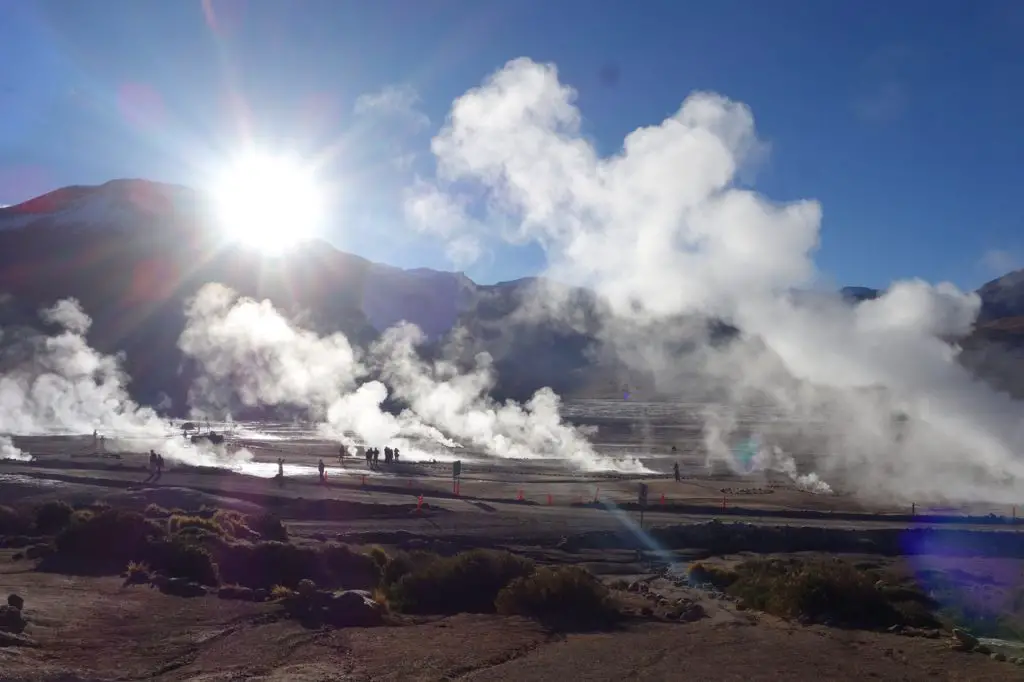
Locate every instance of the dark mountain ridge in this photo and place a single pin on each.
(133, 252)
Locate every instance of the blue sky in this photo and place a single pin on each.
(902, 118)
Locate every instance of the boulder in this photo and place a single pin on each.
(352, 609)
(16, 601)
(964, 640)
(40, 551)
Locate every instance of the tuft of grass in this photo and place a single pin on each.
(280, 593)
(565, 597)
(53, 516)
(468, 582)
(177, 523)
(379, 556)
(137, 573)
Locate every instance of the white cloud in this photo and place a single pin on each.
(661, 229)
(394, 102)
(1000, 261)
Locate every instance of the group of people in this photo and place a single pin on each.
(372, 455)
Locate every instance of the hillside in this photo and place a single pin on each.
(133, 252)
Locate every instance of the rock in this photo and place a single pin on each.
(39, 551)
(17, 556)
(633, 587)
(11, 619)
(694, 613)
(235, 592)
(897, 629)
(260, 595)
(647, 611)
(180, 587)
(982, 649)
(998, 656)
(353, 609)
(16, 601)
(965, 639)
(306, 588)
(319, 537)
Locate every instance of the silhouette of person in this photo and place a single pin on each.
(322, 468)
(675, 470)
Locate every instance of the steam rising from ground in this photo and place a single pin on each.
(248, 353)
(662, 232)
(59, 385)
(8, 450)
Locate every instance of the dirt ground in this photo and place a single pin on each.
(94, 629)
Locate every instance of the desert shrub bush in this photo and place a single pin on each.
(177, 523)
(269, 527)
(341, 566)
(265, 564)
(821, 591)
(179, 559)
(402, 563)
(107, 540)
(234, 524)
(53, 516)
(562, 596)
(468, 582)
(14, 522)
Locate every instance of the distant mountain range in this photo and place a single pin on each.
(134, 251)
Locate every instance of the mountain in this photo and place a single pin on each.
(134, 251)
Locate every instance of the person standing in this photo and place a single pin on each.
(322, 468)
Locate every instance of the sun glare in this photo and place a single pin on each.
(267, 202)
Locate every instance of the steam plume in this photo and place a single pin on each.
(663, 233)
(249, 354)
(60, 385)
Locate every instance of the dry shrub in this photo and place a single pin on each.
(106, 541)
(53, 516)
(468, 582)
(566, 597)
(179, 559)
(265, 564)
(822, 591)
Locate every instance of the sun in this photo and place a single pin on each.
(268, 202)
